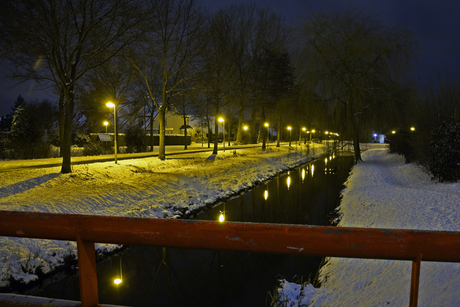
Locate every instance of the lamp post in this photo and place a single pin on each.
(106, 123)
(114, 106)
(300, 136)
(289, 128)
(266, 127)
(223, 131)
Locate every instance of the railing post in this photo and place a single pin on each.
(87, 273)
(414, 281)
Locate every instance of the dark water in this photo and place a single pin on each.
(155, 276)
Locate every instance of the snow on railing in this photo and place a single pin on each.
(396, 244)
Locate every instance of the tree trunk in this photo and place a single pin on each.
(161, 147)
(66, 142)
(253, 132)
(185, 130)
(216, 135)
(151, 127)
(61, 123)
(356, 148)
(263, 129)
(278, 134)
(239, 133)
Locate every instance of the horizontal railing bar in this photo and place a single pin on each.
(398, 244)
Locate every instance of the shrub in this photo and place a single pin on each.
(401, 143)
(81, 139)
(92, 149)
(135, 139)
(445, 152)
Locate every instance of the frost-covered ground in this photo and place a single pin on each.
(140, 187)
(384, 192)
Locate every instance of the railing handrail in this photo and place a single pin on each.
(375, 243)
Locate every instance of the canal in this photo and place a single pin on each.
(156, 276)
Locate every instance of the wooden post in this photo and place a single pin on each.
(87, 273)
(414, 281)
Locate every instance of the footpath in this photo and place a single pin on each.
(385, 192)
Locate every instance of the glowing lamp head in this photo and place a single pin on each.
(245, 128)
(304, 129)
(106, 123)
(412, 129)
(393, 132)
(117, 281)
(221, 120)
(289, 128)
(266, 124)
(313, 131)
(110, 104)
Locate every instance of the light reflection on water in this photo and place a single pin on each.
(189, 277)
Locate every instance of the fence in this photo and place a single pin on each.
(396, 244)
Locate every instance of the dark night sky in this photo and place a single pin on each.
(435, 24)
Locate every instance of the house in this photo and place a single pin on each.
(173, 122)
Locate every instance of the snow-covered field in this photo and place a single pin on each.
(140, 187)
(384, 192)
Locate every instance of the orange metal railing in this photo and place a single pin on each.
(397, 244)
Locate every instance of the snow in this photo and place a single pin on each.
(145, 187)
(385, 192)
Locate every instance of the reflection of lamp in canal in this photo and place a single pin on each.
(325, 161)
(222, 215)
(312, 170)
(303, 175)
(288, 180)
(118, 280)
(265, 194)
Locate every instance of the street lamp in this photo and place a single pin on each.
(300, 136)
(412, 128)
(313, 131)
(223, 131)
(114, 106)
(289, 128)
(266, 127)
(106, 123)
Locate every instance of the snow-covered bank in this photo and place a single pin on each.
(142, 188)
(384, 192)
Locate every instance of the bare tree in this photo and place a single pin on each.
(353, 62)
(171, 47)
(59, 41)
(214, 81)
(112, 81)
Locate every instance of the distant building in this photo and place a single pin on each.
(173, 122)
(378, 138)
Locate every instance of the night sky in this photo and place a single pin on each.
(435, 24)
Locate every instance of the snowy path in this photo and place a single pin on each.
(384, 192)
